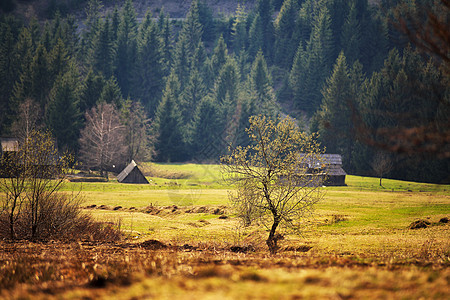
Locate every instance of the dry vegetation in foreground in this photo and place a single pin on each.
(152, 269)
(361, 246)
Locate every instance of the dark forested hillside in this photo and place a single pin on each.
(183, 77)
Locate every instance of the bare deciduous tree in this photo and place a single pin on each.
(34, 174)
(12, 186)
(272, 182)
(382, 164)
(28, 119)
(102, 140)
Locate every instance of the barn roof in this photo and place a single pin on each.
(9, 144)
(328, 159)
(131, 168)
(335, 170)
(332, 163)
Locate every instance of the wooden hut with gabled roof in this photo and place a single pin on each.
(132, 174)
(329, 166)
(8, 145)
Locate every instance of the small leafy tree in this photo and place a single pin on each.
(273, 185)
(45, 171)
(12, 188)
(33, 176)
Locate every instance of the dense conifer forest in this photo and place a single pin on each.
(182, 89)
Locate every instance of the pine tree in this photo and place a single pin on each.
(227, 83)
(64, 117)
(148, 78)
(91, 90)
(261, 84)
(256, 37)
(58, 60)
(168, 126)
(285, 26)
(351, 36)
(9, 73)
(239, 29)
(219, 57)
(126, 47)
(40, 77)
(111, 93)
(264, 9)
(205, 137)
(335, 118)
(91, 27)
(194, 91)
(102, 51)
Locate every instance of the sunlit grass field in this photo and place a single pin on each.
(359, 240)
(358, 217)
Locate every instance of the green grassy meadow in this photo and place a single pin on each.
(358, 245)
(368, 216)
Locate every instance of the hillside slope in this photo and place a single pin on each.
(43, 9)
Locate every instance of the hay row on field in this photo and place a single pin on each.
(165, 210)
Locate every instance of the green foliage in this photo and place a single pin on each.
(111, 93)
(335, 126)
(168, 128)
(64, 116)
(148, 77)
(270, 176)
(242, 62)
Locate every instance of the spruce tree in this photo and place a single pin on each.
(285, 26)
(102, 53)
(9, 72)
(256, 37)
(91, 90)
(23, 57)
(126, 47)
(351, 36)
(219, 57)
(111, 93)
(40, 77)
(168, 125)
(335, 118)
(91, 26)
(264, 10)
(228, 82)
(190, 38)
(148, 77)
(58, 60)
(206, 127)
(261, 83)
(239, 29)
(193, 92)
(64, 117)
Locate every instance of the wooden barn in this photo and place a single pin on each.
(9, 145)
(328, 166)
(132, 174)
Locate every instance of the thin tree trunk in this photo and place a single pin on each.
(11, 226)
(271, 240)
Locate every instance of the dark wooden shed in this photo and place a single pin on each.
(132, 174)
(330, 165)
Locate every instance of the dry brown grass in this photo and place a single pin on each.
(126, 270)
